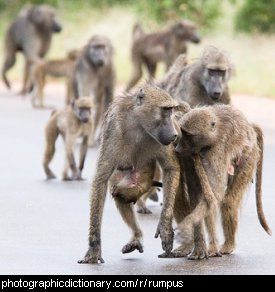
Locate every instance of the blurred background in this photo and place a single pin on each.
(245, 28)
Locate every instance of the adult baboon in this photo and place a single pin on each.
(94, 76)
(30, 33)
(137, 130)
(221, 135)
(150, 49)
(204, 82)
(72, 122)
(40, 69)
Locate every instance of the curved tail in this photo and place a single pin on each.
(259, 202)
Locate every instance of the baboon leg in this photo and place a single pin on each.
(69, 143)
(41, 84)
(83, 153)
(8, 63)
(137, 73)
(231, 203)
(141, 202)
(51, 136)
(65, 173)
(151, 67)
(26, 78)
(213, 248)
(200, 250)
(69, 92)
(128, 215)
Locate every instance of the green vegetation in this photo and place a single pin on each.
(253, 55)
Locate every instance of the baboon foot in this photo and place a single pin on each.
(144, 210)
(154, 197)
(227, 248)
(166, 233)
(92, 257)
(131, 246)
(51, 176)
(180, 252)
(213, 251)
(66, 178)
(198, 253)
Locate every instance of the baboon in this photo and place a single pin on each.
(94, 76)
(150, 49)
(204, 82)
(72, 122)
(220, 135)
(56, 68)
(138, 129)
(31, 33)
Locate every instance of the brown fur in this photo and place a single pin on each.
(150, 49)
(219, 135)
(132, 137)
(72, 122)
(94, 76)
(31, 33)
(192, 83)
(61, 68)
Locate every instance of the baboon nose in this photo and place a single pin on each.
(175, 137)
(216, 95)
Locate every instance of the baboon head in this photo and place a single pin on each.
(44, 16)
(186, 30)
(199, 130)
(82, 108)
(216, 72)
(99, 51)
(154, 112)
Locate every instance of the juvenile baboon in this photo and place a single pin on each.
(220, 135)
(150, 49)
(61, 68)
(94, 76)
(31, 33)
(72, 122)
(204, 82)
(138, 129)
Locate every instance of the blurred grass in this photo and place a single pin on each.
(253, 56)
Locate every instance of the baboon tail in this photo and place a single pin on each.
(259, 202)
(137, 31)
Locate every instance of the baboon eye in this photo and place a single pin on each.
(167, 110)
(213, 124)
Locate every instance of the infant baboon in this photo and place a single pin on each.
(220, 134)
(94, 76)
(138, 129)
(72, 122)
(149, 49)
(30, 33)
(61, 68)
(204, 82)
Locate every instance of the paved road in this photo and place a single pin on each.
(44, 225)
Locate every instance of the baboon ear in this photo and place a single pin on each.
(182, 107)
(140, 97)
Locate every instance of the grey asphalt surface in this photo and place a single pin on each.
(44, 225)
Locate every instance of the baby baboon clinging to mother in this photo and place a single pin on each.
(220, 135)
(40, 69)
(138, 130)
(72, 122)
(204, 82)
(94, 76)
(150, 49)
(31, 33)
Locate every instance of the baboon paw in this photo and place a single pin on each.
(226, 249)
(198, 254)
(91, 260)
(173, 254)
(214, 252)
(67, 178)
(51, 176)
(131, 246)
(154, 197)
(144, 210)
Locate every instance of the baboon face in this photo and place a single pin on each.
(216, 72)
(154, 111)
(199, 130)
(99, 51)
(187, 31)
(83, 109)
(44, 15)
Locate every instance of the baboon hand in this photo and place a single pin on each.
(166, 234)
(93, 256)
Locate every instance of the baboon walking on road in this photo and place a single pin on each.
(137, 130)
(150, 49)
(72, 122)
(30, 33)
(94, 76)
(221, 135)
(204, 82)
